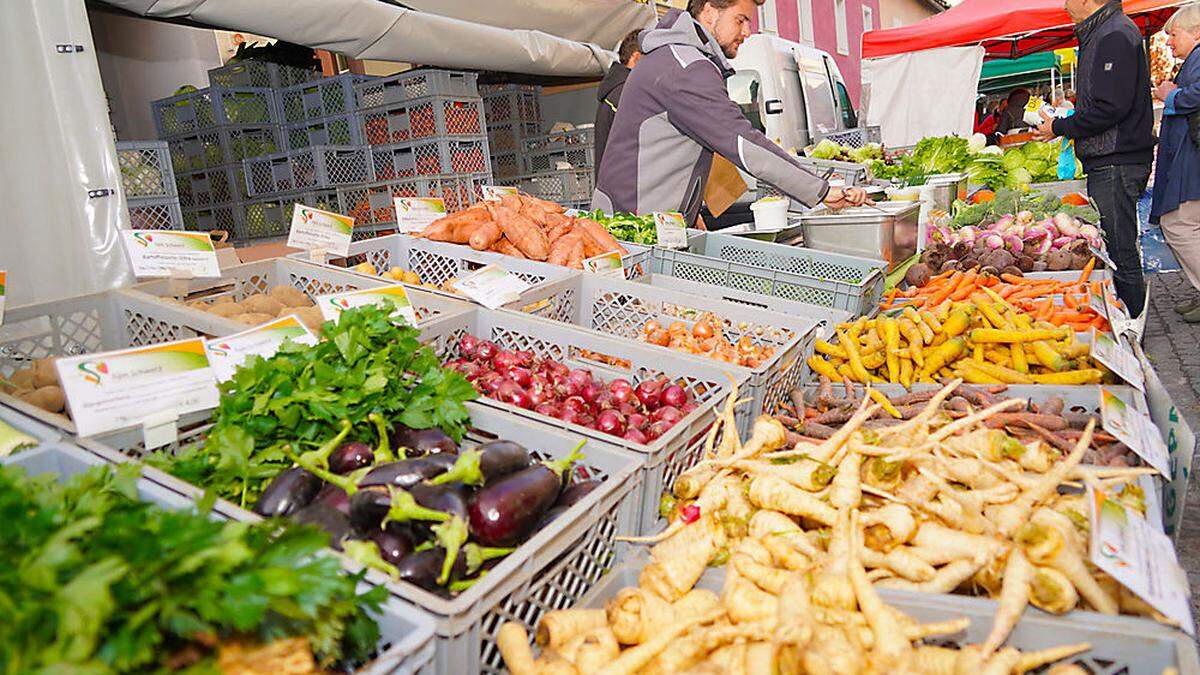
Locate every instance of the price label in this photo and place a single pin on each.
(414, 214)
(326, 231)
(605, 264)
(334, 304)
(163, 253)
(124, 388)
(1103, 256)
(1142, 559)
(574, 213)
(228, 353)
(1116, 356)
(671, 229)
(494, 192)
(492, 286)
(1134, 428)
(3, 284)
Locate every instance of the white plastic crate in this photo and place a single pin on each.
(556, 185)
(374, 204)
(155, 213)
(316, 167)
(414, 84)
(224, 145)
(145, 169)
(209, 187)
(212, 107)
(259, 74)
(319, 98)
(337, 130)
(429, 117)
(430, 157)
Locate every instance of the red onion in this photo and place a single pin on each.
(619, 383)
(668, 413)
(657, 429)
(505, 360)
(611, 422)
(649, 393)
(622, 395)
(578, 379)
(636, 420)
(674, 395)
(485, 350)
(590, 392)
(575, 403)
(548, 409)
(568, 415)
(626, 409)
(520, 375)
(525, 357)
(467, 345)
(636, 436)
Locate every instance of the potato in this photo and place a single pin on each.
(262, 304)
(312, 318)
(253, 318)
(23, 379)
(44, 373)
(290, 296)
(49, 398)
(227, 309)
(198, 304)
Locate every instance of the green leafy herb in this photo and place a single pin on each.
(628, 227)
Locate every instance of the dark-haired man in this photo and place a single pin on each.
(675, 114)
(609, 93)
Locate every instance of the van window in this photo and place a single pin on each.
(745, 88)
(849, 118)
(818, 94)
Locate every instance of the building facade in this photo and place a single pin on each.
(896, 13)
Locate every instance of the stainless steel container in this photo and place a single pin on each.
(886, 231)
(945, 188)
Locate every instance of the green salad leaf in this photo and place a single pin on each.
(627, 226)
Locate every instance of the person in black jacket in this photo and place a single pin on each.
(609, 93)
(1113, 131)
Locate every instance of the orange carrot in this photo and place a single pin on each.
(1087, 270)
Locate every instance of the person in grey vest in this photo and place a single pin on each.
(675, 114)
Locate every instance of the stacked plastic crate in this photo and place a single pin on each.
(149, 185)
(513, 114)
(558, 167)
(427, 137)
(211, 130)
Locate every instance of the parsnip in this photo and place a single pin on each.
(946, 580)
(635, 615)
(1014, 596)
(513, 643)
(769, 492)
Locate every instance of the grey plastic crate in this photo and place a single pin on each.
(430, 157)
(145, 169)
(509, 136)
(229, 218)
(337, 130)
(853, 138)
(415, 84)
(429, 117)
(436, 263)
(212, 107)
(800, 274)
(1119, 644)
(316, 167)
(556, 185)
(224, 145)
(506, 164)
(272, 216)
(512, 103)
(666, 457)
(406, 633)
(259, 74)
(374, 204)
(320, 98)
(28, 425)
(240, 281)
(575, 148)
(155, 213)
(1061, 188)
(621, 308)
(209, 187)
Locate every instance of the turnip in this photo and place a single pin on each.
(1005, 220)
(1062, 242)
(994, 241)
(1025, 217)
(1089, 231)
(1066, 225)
(967, 234)
(1013, 243)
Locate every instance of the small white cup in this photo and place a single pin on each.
(770, 214)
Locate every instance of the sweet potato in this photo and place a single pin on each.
(522, 232)
(485, 236)
(456, 228)
(575, 257)
(597, 232)
(507, 248)
(560, 250)
(558, 225)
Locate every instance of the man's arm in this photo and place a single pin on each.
(1114, 72)
(698, 105)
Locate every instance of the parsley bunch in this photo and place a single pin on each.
(367, 363)
(94, 581)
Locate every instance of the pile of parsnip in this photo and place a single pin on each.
(932, 504)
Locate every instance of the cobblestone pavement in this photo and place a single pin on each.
(1173, 347)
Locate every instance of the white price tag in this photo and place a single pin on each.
(1134, 428)
(605, 264)
(326, 230)
(165, 253)
(414, 214)
(671, 229)
(334, 304)
(1103, 256)
(1128, 548)
(574, 213)
(1108, 350)
(492, 286)
(3, 285)
(227, 353)
(118, 389)
(494, 192)
(160, 429)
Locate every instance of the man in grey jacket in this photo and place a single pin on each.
(675, 113)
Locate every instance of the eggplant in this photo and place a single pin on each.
(421, 442)
(394, 542)
(576, 492)
(334, 496)
(408, 472)
(376, 506)
(351, 457)
(551, 515)
(488, 462)
(327, 518)
(291, 491)
(450, 498)
(423, 567)
(506, 511)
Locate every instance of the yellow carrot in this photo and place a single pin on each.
(1005, 375)
(943, 355)
(994, 335)
(822, 367)
(1047, 356)
(856, 364)
(892, 340)
(958, 322)
(829, 349)
(1085, 376)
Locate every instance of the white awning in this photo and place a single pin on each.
(369, 29)
(601, 22)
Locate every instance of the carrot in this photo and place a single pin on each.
(1013, 279)
(1087, 270)
(1014, 596)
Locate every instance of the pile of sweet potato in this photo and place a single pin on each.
(525, 227)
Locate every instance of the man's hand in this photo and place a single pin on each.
(1045, 130)
(1163, 89)
(840, 198)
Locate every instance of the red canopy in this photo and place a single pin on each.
(1006, 28)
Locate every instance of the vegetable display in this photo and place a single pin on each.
(706, 337)
(525, 227)
(827, 149)
(933, 504)
(37, 385)
(259, 308)
(934, 155)
(627, 226)
(986, 206)
(1032, 162)
(95, 581)
(639, 413)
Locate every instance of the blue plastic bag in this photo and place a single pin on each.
(1066, 156)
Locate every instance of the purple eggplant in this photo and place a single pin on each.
(291, 491)
(394, 542)
(424, 567)
(350, 457)
(506, 511)
(334, 496)
(576, 492)
(327, 518)
(410, 442)
(451, 498)
(550, 516)
(408, 472)
(490, 461)
(375, 507)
